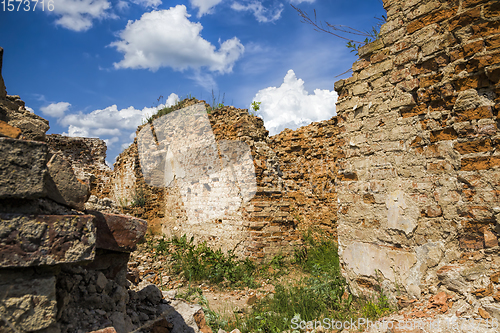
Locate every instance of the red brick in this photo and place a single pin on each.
(473, 48)
(415, 111)
(444, 134)
(426, 95)
(437, 16)
(485, 29)
(478, 62)
(471, 242)
(400, 46)
(492, 43)
(473, 146)
(9, 131)
(471, 3)
(474, 81)
(430, 80)
(480, 163)
(471, 114)
(492, 10)
(464, 19)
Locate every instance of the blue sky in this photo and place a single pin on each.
(96, 68)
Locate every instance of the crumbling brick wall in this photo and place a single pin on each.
(418, 185)
(308, 159)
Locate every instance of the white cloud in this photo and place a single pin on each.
(55, 109)
(261, 13)
(110, 121)
(78, 15)
(291, 106)
(204, 6)
(147, 3)
(166, 38)
(111, 141)
(116, 127)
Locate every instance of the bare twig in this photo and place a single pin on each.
(335, 29)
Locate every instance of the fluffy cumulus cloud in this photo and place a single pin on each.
(112, 125)
(166, 38)
(78, 15)
(291, 106)
(261, 13)
(204, 6)
(55, 109)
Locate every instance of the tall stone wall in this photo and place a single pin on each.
(419, 180)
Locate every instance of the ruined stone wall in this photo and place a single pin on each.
(308, 158)
(88, 160)
(61, 269)
(419, 182)
(261, 227)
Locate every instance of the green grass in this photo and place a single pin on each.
(321, 293)
(166, 110)
(139, 199)
(201, 263)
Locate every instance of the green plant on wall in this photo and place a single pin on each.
(255, 107)
(139, 199)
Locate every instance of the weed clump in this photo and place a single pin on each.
(201, 263)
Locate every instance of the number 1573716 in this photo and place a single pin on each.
(26, 5)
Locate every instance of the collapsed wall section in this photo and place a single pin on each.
(419, 182)
(308, 158)
(218, 206)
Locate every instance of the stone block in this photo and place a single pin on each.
(28, 304)
(32, 126)
(27, 240)
(473, 146)
(9, 131)
(444, 134)
(480, 163)
(118, 232)
(452, 278)
(63, 186)
(368, 259)
(22, 168)
(370, 48)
